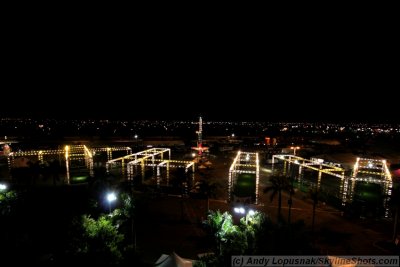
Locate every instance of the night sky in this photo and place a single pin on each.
(222, 75)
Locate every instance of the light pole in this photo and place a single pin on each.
(290, 200)
(110, 198)
(294, 149)
(136, 137)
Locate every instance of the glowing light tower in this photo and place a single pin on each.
(199, 133)
(200, 136)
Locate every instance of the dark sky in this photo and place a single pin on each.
(223, 73)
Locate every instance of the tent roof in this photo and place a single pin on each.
(173, 260)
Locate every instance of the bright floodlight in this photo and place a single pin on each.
(3, 187)
(251, 212)
(136, 136)
(370, 165)
(111, 197)
(239, 210)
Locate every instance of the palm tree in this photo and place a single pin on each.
(313, 193)
(291, 193)
(279, 183)
(220, 225)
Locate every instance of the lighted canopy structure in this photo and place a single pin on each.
(244, 162)
(70, 154)
(78, 152)
(138, 157)
(153, 157)
(110, 150)
(36, 153)
(315, 165)
(312, 164)
(365, 170)
(373, 171)
(76, 155)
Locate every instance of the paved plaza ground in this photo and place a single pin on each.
(171, 223)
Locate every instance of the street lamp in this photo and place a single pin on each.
(110, 198)
(3, 187)
(240, 210)
(294, 149)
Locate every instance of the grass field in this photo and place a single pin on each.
(245, 185)
(369, 192)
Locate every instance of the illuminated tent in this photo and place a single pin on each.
(173, 260)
